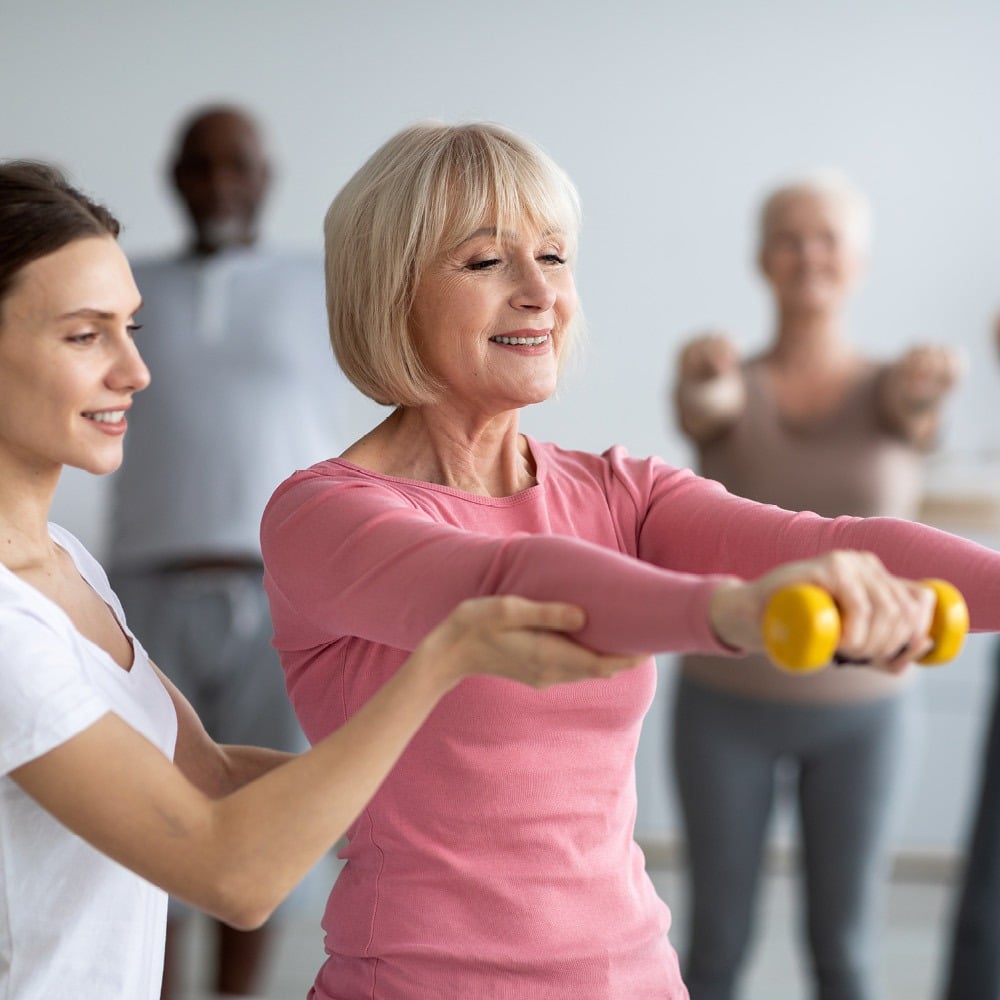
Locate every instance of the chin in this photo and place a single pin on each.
(100, 466)
(815, 301)
(539, 396)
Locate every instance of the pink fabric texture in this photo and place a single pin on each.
(498, 860)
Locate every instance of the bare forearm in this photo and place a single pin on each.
(243, 764)
(271, 831)
(238, 855)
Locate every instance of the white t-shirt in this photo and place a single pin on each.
(73, 923)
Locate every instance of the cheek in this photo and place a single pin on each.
(848, 267)
(777, 264)
(567, 300)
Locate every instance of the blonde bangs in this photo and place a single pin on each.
(491, 177)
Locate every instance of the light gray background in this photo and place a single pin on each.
(672, 117)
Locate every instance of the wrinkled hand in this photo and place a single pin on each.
(522, 640)
(885, 620)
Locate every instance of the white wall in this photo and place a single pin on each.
(672, 117)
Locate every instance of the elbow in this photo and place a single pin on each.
(246, 918)
(243, 906)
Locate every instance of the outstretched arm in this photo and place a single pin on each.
(709, 393)
(239, 855)
(914, 390)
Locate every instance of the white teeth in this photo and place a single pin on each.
(527, 341)
(106, 416)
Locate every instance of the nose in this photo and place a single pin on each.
(533, 290)
(220, 182)
(128, 372)
(816, 249)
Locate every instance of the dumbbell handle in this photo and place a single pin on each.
(801, 626)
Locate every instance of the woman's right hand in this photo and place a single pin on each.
(522, 640)
(710, 392)
(708, 356)
(885, 620)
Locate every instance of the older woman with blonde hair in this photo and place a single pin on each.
(497, 860)
(809, 423)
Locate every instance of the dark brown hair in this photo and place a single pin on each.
(40, 212)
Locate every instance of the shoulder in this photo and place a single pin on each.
(333, 479)
(329, 474)
(289, 265)
(46, 695)
(90, 569)
(614, 469)
(151, 267)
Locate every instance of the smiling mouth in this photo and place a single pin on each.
(107, 416)
(520, 341)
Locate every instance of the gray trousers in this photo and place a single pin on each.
(210, 632)
(849, 761)
(972, 970)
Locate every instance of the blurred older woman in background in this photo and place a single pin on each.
(810, 423)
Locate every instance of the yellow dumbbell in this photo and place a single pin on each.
(801, 626)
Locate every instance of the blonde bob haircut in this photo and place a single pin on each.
(831, 186)
(419, 195)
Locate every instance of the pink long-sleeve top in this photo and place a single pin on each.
(497, 860)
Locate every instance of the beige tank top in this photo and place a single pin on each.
(846, 462)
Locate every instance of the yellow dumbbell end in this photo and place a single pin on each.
(801, 628)
(949, 624)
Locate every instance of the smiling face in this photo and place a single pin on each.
(489, 318)
(68, 364)
(810, 255)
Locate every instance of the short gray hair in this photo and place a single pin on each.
(830, 185)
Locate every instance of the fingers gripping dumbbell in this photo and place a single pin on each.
(801, 626)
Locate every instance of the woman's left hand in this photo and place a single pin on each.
(914, 389)
(885, 620)
(921, 378)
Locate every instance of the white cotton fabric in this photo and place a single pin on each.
(245, 389)
(73, 923)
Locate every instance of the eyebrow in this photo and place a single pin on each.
(86, 313)
(484, 231)
(89, 313)
(509, 234)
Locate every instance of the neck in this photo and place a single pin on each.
(433, 444)
(813, 336)
(24, 531)
(202, 249)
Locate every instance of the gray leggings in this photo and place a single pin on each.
(849, 760)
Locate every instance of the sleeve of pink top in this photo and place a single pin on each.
(690, 523)
(359, 560)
